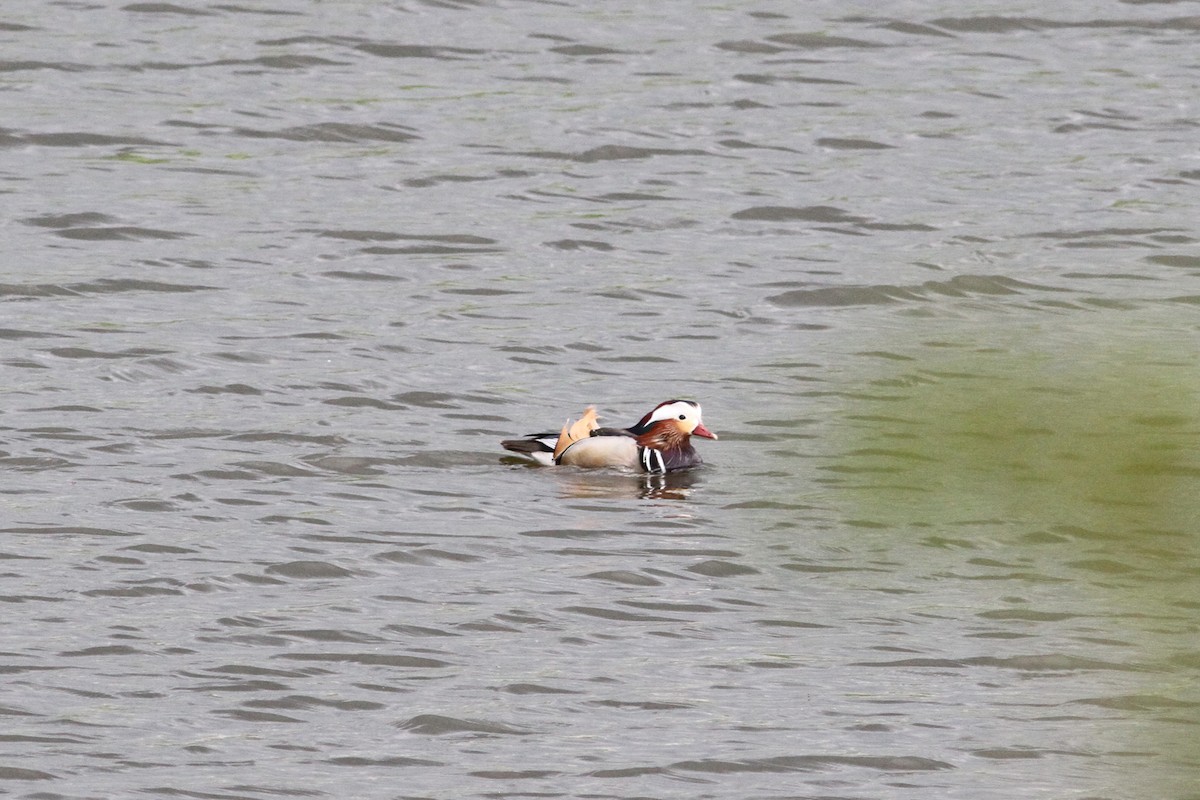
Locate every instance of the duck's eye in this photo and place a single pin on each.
(683, 416)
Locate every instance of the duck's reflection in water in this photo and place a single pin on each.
(627, 485)
(582, 483)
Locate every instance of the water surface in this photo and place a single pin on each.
(279, 276)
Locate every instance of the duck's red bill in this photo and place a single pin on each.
(703, 431)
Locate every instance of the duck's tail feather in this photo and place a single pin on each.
(534, 443)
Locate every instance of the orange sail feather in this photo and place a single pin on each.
(574, 431)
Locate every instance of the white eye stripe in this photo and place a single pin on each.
(675, 410)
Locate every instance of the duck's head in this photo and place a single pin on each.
(675, 418)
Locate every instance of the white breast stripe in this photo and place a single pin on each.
(649, 456)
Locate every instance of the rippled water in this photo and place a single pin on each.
(278, 277)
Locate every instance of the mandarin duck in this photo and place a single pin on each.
(659, 442)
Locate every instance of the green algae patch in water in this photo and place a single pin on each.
(1099, 437)
(1060, 480)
